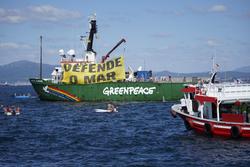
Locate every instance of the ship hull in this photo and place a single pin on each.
(112, 91)
(211, 127)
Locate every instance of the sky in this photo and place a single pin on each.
(173, 35)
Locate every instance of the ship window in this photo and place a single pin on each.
(191, 96)
(214, 111)
(195, 105)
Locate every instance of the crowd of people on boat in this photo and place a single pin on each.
(11, 110)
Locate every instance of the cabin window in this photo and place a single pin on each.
(240, 110)
(226, 108)
(207, 110)
(195, 105)
(191, 96)
(214, 110)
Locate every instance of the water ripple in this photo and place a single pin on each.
(140, 134)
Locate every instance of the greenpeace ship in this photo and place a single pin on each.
(216, 109)
(83, 79)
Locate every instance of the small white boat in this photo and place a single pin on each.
(104, 110)
(8, 113)
(11, 111)
(22, 96)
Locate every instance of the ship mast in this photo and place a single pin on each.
(93, 30)
(41, 55)
(90, 55)
(214, 71)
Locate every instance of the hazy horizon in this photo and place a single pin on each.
(134, 69)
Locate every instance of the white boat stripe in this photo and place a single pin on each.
(246, 128)
(197, 122)
(222, 127)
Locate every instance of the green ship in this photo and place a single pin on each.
(85, 80)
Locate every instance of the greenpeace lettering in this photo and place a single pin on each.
(82, 73)
(108, 91)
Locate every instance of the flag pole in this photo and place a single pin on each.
(41, 55)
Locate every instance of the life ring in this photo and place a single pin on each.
(187, 125)
(235, 132)
(208, 129)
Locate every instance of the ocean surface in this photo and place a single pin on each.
(73, 134)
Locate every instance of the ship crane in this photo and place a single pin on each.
(104, 58)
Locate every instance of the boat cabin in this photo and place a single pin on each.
(219, 102)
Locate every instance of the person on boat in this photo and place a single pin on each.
(200, 83)
(7, 110)
(111, 108)
(169, 78)
(12, 109)
(243, 110)
(17, 110)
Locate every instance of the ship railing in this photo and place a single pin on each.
(229, 91)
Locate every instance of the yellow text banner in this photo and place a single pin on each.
(83, 73)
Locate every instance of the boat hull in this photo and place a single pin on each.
(212, 127)
(112, 91)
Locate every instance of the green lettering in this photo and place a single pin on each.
(101, 67)
(111, 76)
(84, 67)
(100, 78)
(118, 62)
(76, 68)
(73, 79)
(67, 67)
(92, 67)
(88, 79)
(110, 65)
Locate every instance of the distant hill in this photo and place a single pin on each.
(223, 74)
(173, 74)
(243, 69)
(21, 71)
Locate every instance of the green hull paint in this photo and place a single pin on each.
(114, 91)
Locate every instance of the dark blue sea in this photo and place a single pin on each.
(73, 134)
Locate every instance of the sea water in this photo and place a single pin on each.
(73, 134)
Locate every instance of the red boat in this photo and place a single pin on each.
(216, 109)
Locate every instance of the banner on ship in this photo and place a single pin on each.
(81, 73)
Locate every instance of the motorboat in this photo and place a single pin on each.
(216, 109)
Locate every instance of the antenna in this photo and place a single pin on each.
(41, 59)
(213, 62)
(215, 68)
